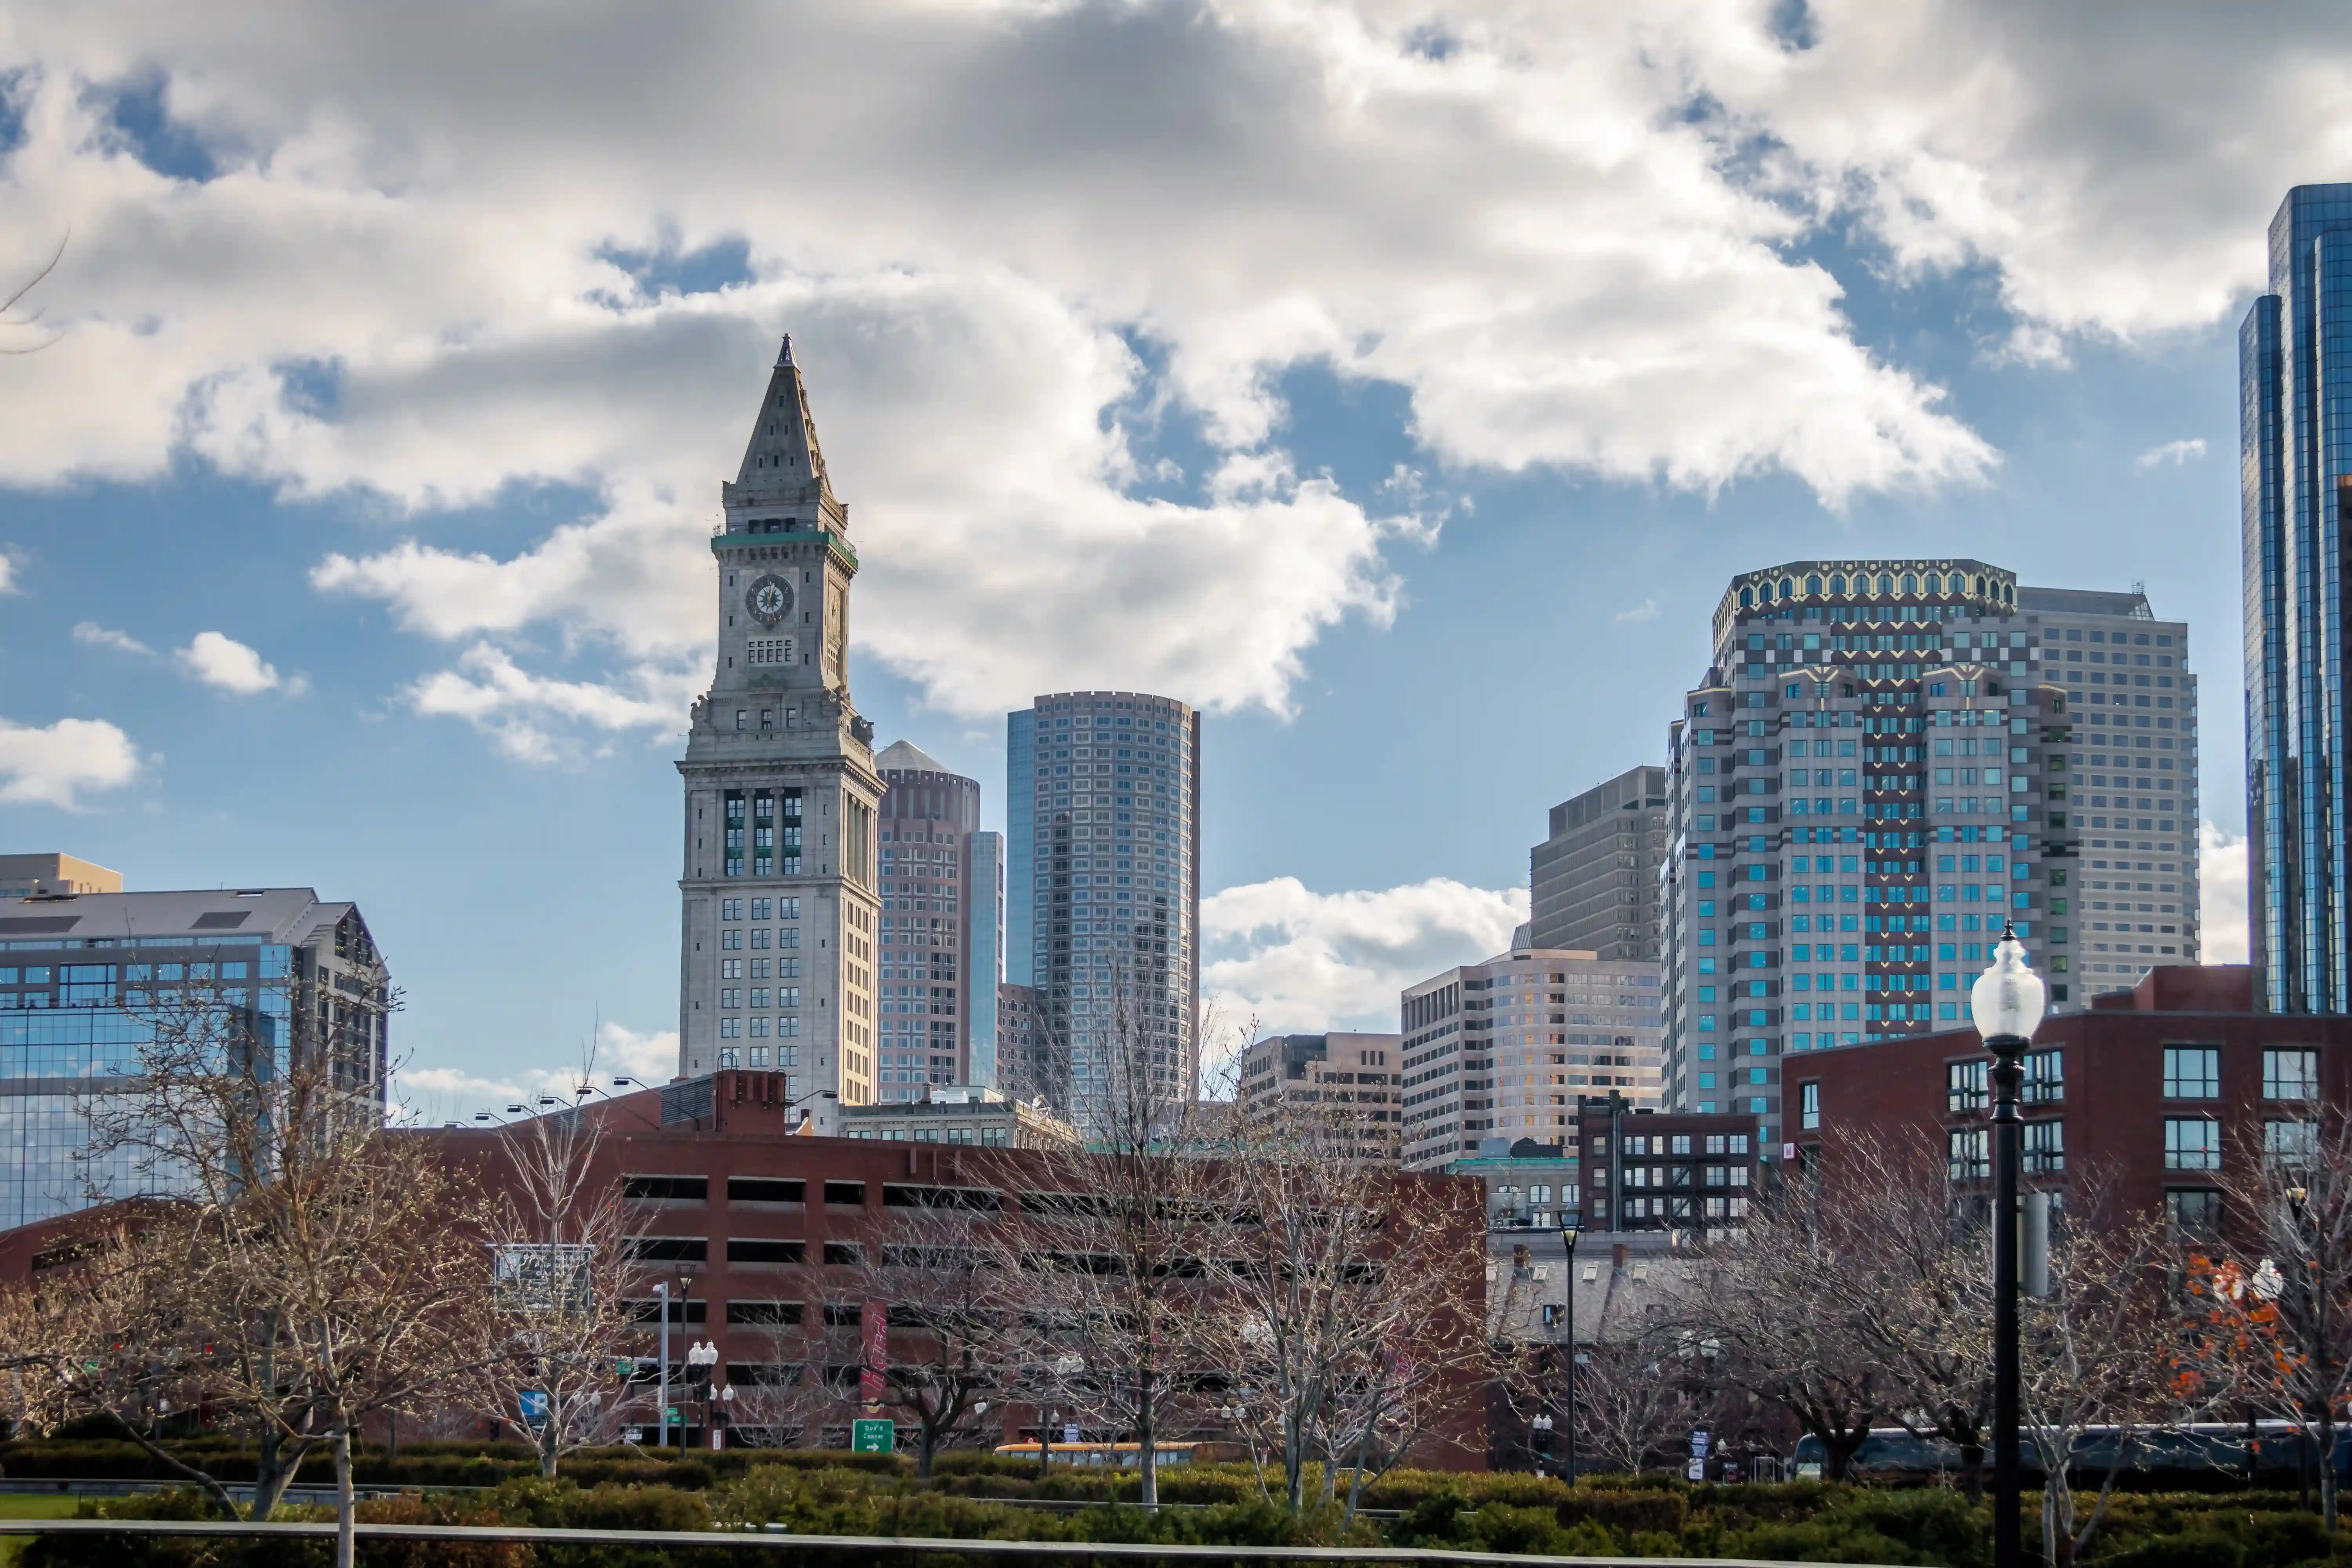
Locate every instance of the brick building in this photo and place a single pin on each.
(2158, 1091)
(743, 1208)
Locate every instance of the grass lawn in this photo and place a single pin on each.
(30, 1507)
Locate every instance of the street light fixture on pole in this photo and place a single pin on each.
(700, 1358)
(2005, 1003)
(661, 1407)
(1568, 1234)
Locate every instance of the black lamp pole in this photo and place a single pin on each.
(2008, 1156)
(1569, 1234)
(2005, 1003)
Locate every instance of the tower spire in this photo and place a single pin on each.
(782, 474)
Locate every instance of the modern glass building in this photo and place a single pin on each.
(1103, 879)
(1884, 761)
(79, 978)
(2295, 412)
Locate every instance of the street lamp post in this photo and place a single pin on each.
(792, 1105)
(661, 1408)
(2005, 1003)
(1568, 1234)
(701, 1359)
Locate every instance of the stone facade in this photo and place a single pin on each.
(781, 902)
(1593, 883)
(1508, 1048)
(1354, 1073)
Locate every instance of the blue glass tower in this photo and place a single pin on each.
(2294, 386)
(1020, 843)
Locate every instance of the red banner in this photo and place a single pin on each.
(874, 1325)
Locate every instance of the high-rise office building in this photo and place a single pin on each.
(1019, 1065)
(86, 977)
(23, 876)
(2137, 890)
(1352, 1077)
(940, 876)
(781, 907)
(986, 901)
(1103, 885)
(1883, 764)
(1508, 1048)
(1593, 883)
(2294, 474)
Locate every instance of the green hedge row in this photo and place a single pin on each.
(435, 1464)
(1806, 1521)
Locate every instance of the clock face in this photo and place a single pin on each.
(769, 600)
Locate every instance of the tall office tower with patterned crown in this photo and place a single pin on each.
(1886, 761)
(780, 905)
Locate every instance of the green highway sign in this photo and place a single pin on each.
(869, 1436)
(670, 1418)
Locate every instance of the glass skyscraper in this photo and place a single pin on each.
(1103, 886)
(2294, 403)
(80, 978)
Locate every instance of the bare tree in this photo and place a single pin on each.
(2093, 1353)
(1916, 1289)
(1631, 1395)
(931, 1269)
(1777, 1298)
(332, 1268)
(2270, 1330)
(1101, 1296)
(562, 1248)
(107, 1328)
(1339, 1285)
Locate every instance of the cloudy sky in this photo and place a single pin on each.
(1398, 382)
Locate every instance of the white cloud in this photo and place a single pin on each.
(2174, 452)
(1296, 960)
(10, 565)
(649, 1056)
(506, 702)
(1032, 237)
(2091, 181)
(90, 634)
(1647, 610)
(1046, 231)
(429, 1095)
(54, 765)
(226, 664)
(2223, 934)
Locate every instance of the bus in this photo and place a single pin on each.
(2198, 1454)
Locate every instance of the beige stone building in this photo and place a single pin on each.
(38, 875)
(782, 911)
(1351, 1074)
(1506, 1048)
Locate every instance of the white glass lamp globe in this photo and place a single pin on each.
(2008, 998)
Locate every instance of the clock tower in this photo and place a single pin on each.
(779, 907)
